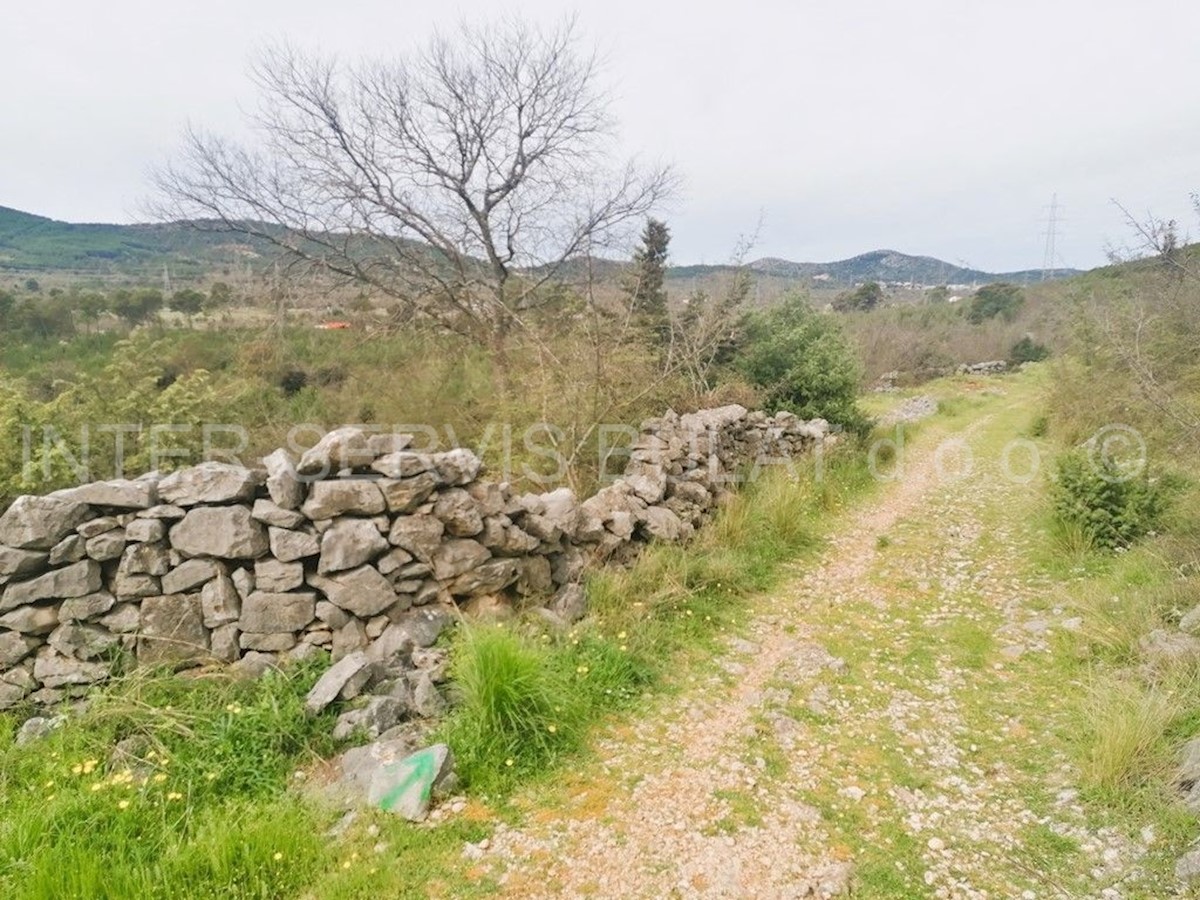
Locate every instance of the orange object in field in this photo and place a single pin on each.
(334, 326)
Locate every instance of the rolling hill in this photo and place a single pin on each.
(35, 244)
(886, 266)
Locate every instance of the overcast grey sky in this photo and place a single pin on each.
(937, 127)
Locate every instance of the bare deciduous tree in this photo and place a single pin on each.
(458, 181)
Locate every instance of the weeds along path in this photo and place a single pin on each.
(888, 724)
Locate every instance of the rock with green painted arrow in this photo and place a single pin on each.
(406, 787)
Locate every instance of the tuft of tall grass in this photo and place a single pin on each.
(1128, 724)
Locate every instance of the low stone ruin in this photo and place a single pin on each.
(991, 367)
(362, 546)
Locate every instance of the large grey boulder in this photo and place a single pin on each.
(54, 670)
(275, 576)
(427, 700)
(372, 720)
(83, 609)
(389, 442)
(486, 578)
(119, 494)
(329, 686)
(145, 559)
(286, 490)
(457, 467)
(1161, 649)
(272, 613)
(81, 641)
(16, 685)
(172, 630)
(535, 576)
(458, 512)
(350, 543)
(130, 587)
(362, 591)
(406, 494)
(663, 524)
(1187, 867)
(227, 532)
(404, 465)
(289, 546)
(124, 618)
(209, 482)
(1190, 622)
(75, 580)
(38, 523)
(226, 644)
(267, 641)
(21, 562)
(454, 558)
(558, 507)
(343, 448)
(93, 527)
(570, 603)
(649, 482)
(423, 625)
(106, 546)
(31, 619)
(146, 531)
(70, 549)
(350, 637)
(504, 538)
(404, 786)
(344, 496)
(220, 602)
(14, 647)
(419, 534)
(270, 513)
(190, 574)
(490, 498)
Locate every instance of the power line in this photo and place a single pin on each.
(1053, 220)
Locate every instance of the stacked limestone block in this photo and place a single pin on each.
(360, 541)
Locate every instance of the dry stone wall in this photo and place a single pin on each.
(360, 546)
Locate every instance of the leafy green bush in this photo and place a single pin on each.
(1027, 350)
(1097, 500)
(992, 300)
(863, 298)
(804, 362)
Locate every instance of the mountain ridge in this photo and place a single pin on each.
(31, 243)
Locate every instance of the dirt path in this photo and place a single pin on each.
(872, 730)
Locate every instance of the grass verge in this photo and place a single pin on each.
(527, 696)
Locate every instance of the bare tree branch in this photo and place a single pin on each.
(458, 181)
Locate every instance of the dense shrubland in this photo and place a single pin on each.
(919, 340)
(577, 367)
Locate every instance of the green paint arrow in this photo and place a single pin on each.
(420, 767)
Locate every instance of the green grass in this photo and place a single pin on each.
(196, 807)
